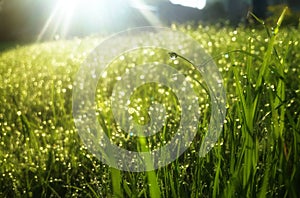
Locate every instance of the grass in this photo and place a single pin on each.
(257, 155)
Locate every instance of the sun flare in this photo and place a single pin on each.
(94, 15)
(79, 12)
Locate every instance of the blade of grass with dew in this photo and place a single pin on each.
(275, 101)
(116, 182)
(151, 175)
(216, 182)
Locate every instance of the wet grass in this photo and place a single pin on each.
(257, 155)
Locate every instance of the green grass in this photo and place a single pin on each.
(257, 155)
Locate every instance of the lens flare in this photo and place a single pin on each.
(92, 16)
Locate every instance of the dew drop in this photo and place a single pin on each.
(173, 55)
(131, 110)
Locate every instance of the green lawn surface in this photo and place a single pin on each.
(257, 155)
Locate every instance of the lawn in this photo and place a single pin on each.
(257, 154)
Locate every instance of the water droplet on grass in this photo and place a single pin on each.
(173, 55)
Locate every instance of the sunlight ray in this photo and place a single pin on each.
(47, 24)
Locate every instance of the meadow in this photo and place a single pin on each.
(257, 155)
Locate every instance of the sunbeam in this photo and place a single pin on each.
(95, 16)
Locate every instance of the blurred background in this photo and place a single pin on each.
(38, 20)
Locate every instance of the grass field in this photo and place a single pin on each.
(257, 155)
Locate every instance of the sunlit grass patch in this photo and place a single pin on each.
(41, 153)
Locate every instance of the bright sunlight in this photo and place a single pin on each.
(80, 12)
(69, 16)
